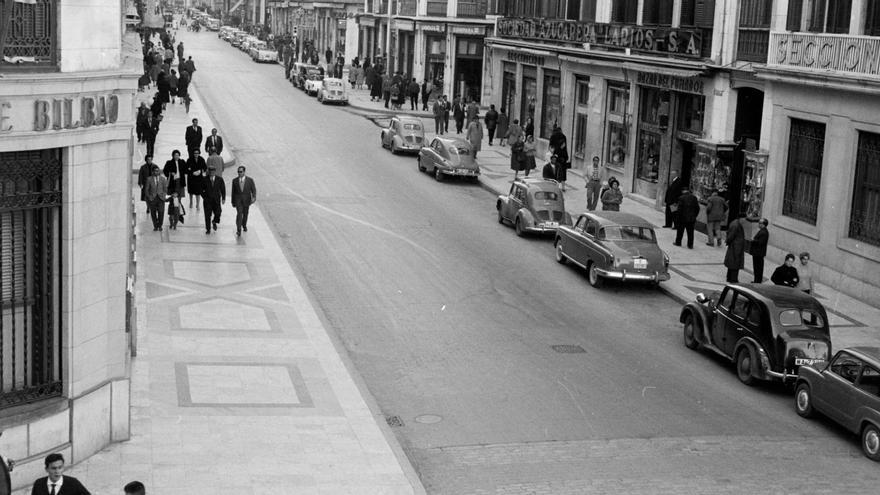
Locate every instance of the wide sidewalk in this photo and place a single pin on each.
(237, 387)
(701, 269)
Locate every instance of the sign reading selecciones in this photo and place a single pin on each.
(653, 39)
(854, 54)
(59, 113)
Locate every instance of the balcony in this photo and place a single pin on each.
(378, 7)
(855, 55)
(407, 7)
(476, 8)
(752, 44)
(30, 40)
(437, 8)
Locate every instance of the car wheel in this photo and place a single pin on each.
(803, 401)
(871, 442)
(438, 175)
(690, 332)
(517, 226)
(419, 163)
(593, 275)
(560, 256)
(744, 360)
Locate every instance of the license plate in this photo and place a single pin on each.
(640, 263)
(551, 224)
(806, 361)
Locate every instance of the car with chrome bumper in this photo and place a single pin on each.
(404, 134)
(612, 245)
(332, 91)
(448, 157)
(533, 205)
(261, 53)
(768, 331)
(846, 390)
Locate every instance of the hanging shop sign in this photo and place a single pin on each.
(673, 83)
(58, 113)
(403, 25)
(649, 39)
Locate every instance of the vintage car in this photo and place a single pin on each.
(767, 331)
(238, 38)
(332, 91)
(533, 205)
(847, 390)
(247, 43)
(261, 52)
(612, 245)
(448, 156)
(403, 134)
(313, 83)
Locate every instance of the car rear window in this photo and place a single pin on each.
(547, 195)
(412, 127)
(627, 233)
(335, 84)
(459, 150)
(800, 317)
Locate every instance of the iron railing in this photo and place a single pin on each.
(803, 177)
(472, 8)
(864, 221)
(752, 44)
(437, 8)
(30, 302)
(30, 35)
(407, 7)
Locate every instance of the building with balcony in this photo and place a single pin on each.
(318, 27)
(439, 40)
(66, 142)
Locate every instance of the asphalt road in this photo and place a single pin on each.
(451, 319)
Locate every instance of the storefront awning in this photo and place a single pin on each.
(659, 69)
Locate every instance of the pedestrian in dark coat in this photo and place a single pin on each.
(190, 67)
(716, 210)
(491, 120)
(180, 51)
(213, 196)
(427, 87)
(529, 151)
(175, 171)
(503, 124)
(559, 147)
(386, 89)
(612, 197)
(549, 170)
(144, 174)
(786, 274)
(196, 170)
(471, 112)
(414, 90)
(734, 258)
(529, 127)
(517, 157)
(688, 210)
(458, 114)
(172, 84)
(446, 109)
(141, 122)
(438, 110)
(164, 87)
(475, 135)
(671, 198)
(193, 136)
(758, 250)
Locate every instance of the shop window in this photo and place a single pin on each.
(616, 129)
(657, 12)
(469, 47)
(617, 137)
(648, 166)
(804, 170)
(588, 10)
(654, 107)
(819, 16)
(754, 30)
(618, 100)
(864, 220)
(529, 96)
(552, 9)
(551, 103)
(700, 13)
(690, 113)
(30, 35)
(624, 11)
(582, 110)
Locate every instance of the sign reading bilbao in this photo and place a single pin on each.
(652, 39)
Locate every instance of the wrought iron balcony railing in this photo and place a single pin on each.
(752, 44)
(471, 8)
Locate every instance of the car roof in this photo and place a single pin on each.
(407, 118)
(866, 353)
(779, 295)
(538, 183)
(453, 141)
(608, 218)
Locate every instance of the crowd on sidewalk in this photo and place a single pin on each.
(56, 483)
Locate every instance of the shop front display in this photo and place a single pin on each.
(529, 94)
(753, 182)
(616, 125)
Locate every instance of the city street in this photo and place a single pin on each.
(455, 324)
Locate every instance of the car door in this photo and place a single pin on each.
(430, 155)
(835, 393)
(722, 318)
(389, 133)
(507, 207)
(574, 248)
(590, 247)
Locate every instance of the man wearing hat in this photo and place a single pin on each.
(688, 210)
(213, 196)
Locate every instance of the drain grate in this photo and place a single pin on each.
(568, 349)
(394, 421)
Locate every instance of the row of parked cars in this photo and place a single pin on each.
(310, 78)
(767, 332)
(256, 48)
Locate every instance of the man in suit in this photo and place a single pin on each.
(758, 250)
(244, 194)
(213, 196)
(688, 210)
(157, 194)
(193, 137)
(671, 198)
(214, 141)
(144, 174)
(56, 483)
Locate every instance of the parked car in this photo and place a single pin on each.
(533, 205)
(768, 331)
(612, 245)
(448, 156)
(132, 19)
(238, 38)
(847, 390)
(260, 52)
(332, 91)
(403, 134)
(313, 83)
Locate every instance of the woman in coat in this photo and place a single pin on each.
(196, 169)
(529, 151)
(734, 258)
(475, 135)
(517, 158)
(562, 165)
(164, 87)
(503, 124)
(612, 197)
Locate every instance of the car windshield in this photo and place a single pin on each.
(801, 317)
(627, 233)
(546, 195)
(412, 127)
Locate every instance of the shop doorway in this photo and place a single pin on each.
(468, 74)
(508, 89)
(745, 189)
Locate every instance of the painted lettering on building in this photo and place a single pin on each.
(672, 83)
(652, 39)
(59, 113)
(525, 58)
(857, 54)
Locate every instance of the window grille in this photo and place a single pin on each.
(28, 30)
(804, 172)
(864, 220)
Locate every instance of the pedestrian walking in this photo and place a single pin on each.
(446, 109)
(475, 135)
(513, 134)
(193, 137)
(386, 89)
(529, 127)
(375, 81)
(612, 197)
(244, 194)
(458, 114)
(734, 258)
(56, 483)
(214, 141)
(559, 147)
(175, 171)
(216, 161)
(517, 158)
(180, 51)
(190, 67)
(472, 111)
(786, 274)
(134, 488)
(176, 192)
(141, 121)
(758, 250)
(673, 191)
(593, 184)
(438, 110)
(173, 80)
(196, 171)
(157, 195)
(414, 92)
(530, 151)
(183, 89)
(213, 198)
(491, 120)
(427, 87)
(144, 173)
(503, 125)
(151, 131)
(359, 78)
(549, 170)
(716, 210)
(805, 274)
(688, 210)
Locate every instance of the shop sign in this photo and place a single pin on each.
(859, 54)
(403, 25)
(525, 58)
(672, 83)
(58, 113)
(650, 39)
(474, 30)
(433, 28)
